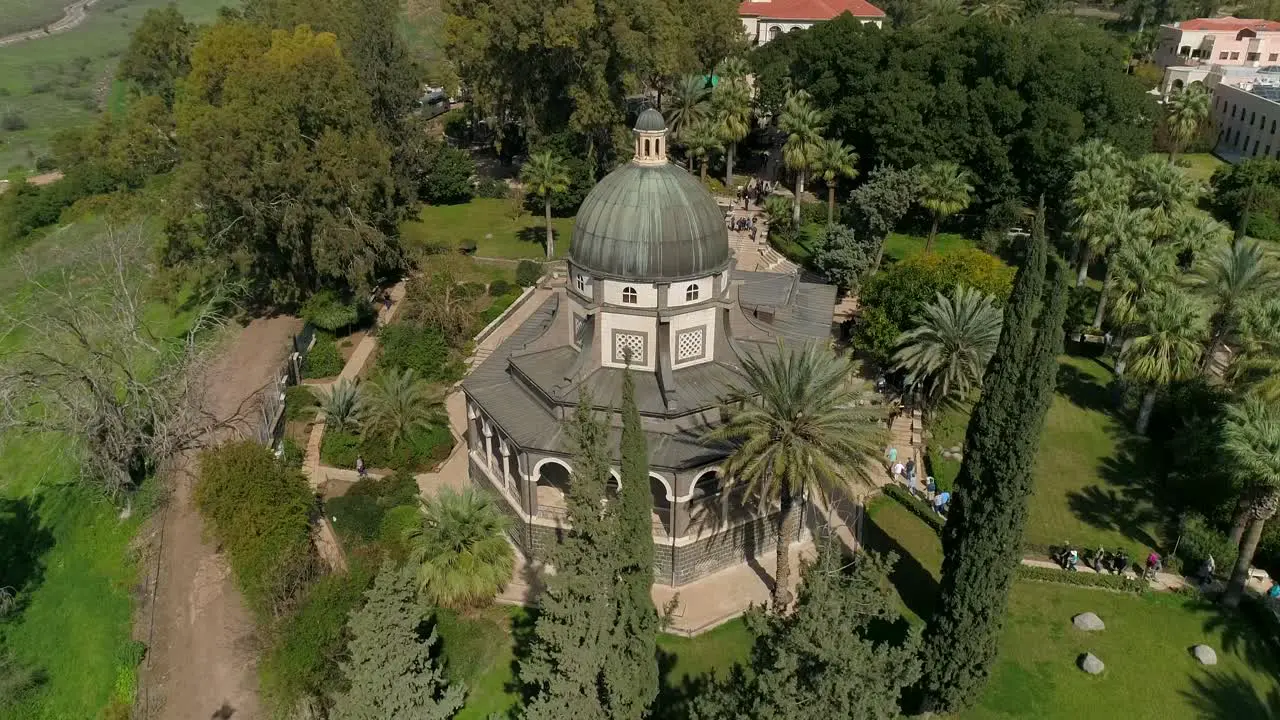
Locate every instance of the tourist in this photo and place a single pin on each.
(1153, 563)
(930, 484)
(898, 469)
(1206, 571)
(911, 482)
(1274, 592)
(940, 502)
(360, 471)
(893, 455)
(911, 467)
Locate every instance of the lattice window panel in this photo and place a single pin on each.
(689, 345)
(624, 342)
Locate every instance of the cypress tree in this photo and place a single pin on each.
(829, 657)
(631, 669)
(391, 671)
(982, 541)
(574, 630)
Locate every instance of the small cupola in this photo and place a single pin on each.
(651, 138)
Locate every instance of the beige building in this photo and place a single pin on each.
(1247, 118)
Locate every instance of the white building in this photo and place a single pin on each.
(765, 20)
(1247, 118)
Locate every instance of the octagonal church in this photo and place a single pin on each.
(651, 279)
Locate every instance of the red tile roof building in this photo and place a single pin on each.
(765, 20)
(1219, 41)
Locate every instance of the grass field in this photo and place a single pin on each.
(76, 624)
(488, 223)
(1092, 483)
(1202, 165)
(1150, 673)
(899, 246)
(20, 15)
(64, 80)
(480, 650)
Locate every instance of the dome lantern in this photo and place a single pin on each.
(651, 138)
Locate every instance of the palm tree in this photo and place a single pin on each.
(1229, 276)
(1004, 12)
(545, 175)
(700, 140)
(731, 107)
(1252, 443)
(1195, 231)
(1188, 111)
(796, 427)
(687, 105)
(1167, 346)
(400, 404)
(343, 405)
(803, 124)
(1116, 225)
(947, 352)
(834, 161)
(462, 557)
(944, 191)
(1093, 153)
(1257, 363)
(733, 67)
(1163, 188)
(1139, 267)
(1094, 191)
(777, 208)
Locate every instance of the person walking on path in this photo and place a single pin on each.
(898, 470)
(940, 503)
(360, 469)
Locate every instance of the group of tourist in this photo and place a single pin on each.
(906, 473)
(755, 189)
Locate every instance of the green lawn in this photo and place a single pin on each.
(1201, 167)
(1093, 485)
(64, 80)
(20, 15)
(488, 223)
(1150, 672)
(77, 619)
(899, 246)
(480, 650)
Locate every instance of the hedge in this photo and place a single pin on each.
(299, 402)
(324, 360)
(917, 507)
(497, 307)
(528, 273)
(259, 510)
(418, 452)
(1121, 583)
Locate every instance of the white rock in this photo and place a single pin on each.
(1091, 664)
(1088, 622)
(1205, 655)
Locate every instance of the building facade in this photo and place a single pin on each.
(1224, 41)
(764, 20)
(1247, 118)
(651, 290)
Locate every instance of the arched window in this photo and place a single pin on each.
(774, 32)
(646, 147)
(582, 283)
(691, 293)
(629, 296)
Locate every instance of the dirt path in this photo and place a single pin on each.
(72, 15)
(203, 646)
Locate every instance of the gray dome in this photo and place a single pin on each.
(651, 121)
(650, 222)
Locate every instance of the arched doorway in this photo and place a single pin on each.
(552, 487)
(661, 505)
(706, 505)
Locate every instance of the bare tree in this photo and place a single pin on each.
(92, 367)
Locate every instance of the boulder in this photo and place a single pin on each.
(1091, 664)
(1205, 655)
(955, 449)
(1089, 622)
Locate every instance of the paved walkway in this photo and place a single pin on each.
(72, 15)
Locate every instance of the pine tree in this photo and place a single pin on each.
(983, 537)
(574, 629)
(823, 660)
(631, 669)
(391, 672)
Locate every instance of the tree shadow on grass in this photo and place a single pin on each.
(915, 584)
(676, 695)
(23, 543)
(537, 235)
(1223, 696)
(1250, 631)
(1083, 390)
(522, 636)
(1129, 502)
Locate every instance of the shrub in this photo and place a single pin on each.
(492, 188)
(329, 311)
(916, 506)
(813, 213)
(1200, 540)
(299, 402)
(292, 454)
(499, 287)
(396, 523)
(45, 163)
(467, 247)
(423, 350)
(13, 121)
(340, 449)
(303, 660)
(259, 511)
(324, 360)
(528, 273)
(497, 307)
(1110, 582)
(360, 511)
(448, 179)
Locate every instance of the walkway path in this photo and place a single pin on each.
(72, 15)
